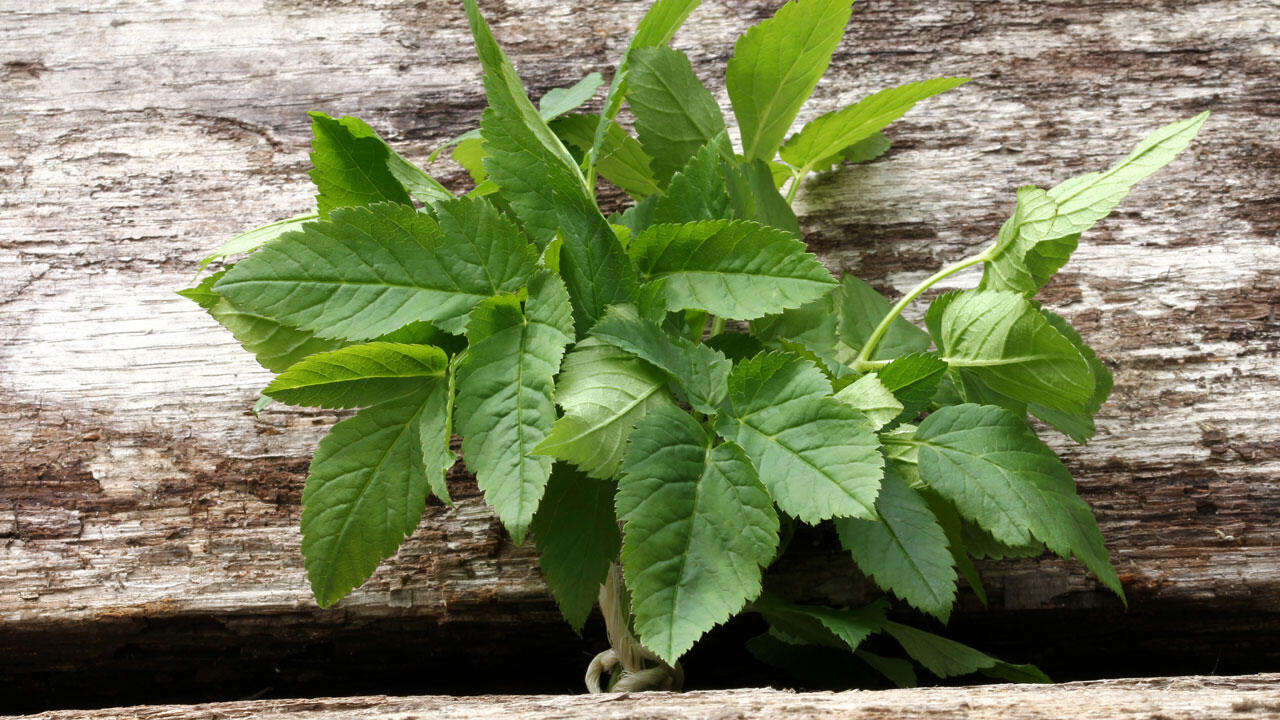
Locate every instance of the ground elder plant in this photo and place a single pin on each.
(659, 396)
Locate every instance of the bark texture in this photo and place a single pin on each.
(148, 522)
(1179, 698)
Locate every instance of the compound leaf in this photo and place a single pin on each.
(603, 392)
(817, 455)
(577, 538)
(698, 526)
(700, 372)
(675, 115)
(368, 271)
(1005, 341)
(821, 142)
(358, 375)
(989, 463)
(733, 269)
(905, 551)
(504, 407)
(775, 67)
(368, 486)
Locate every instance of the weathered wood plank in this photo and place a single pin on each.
(1177, 698)
(144, 513)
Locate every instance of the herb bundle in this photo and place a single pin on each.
(659, 395)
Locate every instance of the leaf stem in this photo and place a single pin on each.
(863, 362)
(797, 177)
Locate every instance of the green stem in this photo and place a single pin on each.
(863, 363)
(798, 177)
(717, 326)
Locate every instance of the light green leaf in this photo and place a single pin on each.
(946, 658)
(775, 67)
(1003, 339)
(368, 271)
(603, 392)
(829, 627)
(546, 189)
(820, 143)
(865, 150)
(559, 101)
(862, 309)
(413, 178)
(470, 155)
(675, 115)
(989, 463)
(698, 526)
(905, 551)
(1076, 425)
(818, 456)
(697, 191)
(1046, 226)
(700, 372)
(504, 407)
(622, 161)
(359, 375)
(733, 269)
(350, 170)
(657, 27)
(577, 538)
(869, 396)
(247, 242)
(368, 486)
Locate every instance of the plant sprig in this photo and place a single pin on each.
(609, 399)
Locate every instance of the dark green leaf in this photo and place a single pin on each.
(350, 170)
(577, 538)
(359, 375)
(675, 115)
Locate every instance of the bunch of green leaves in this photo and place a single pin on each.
(668, 386)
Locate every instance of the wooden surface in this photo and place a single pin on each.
(148, 522)
(1179, 698)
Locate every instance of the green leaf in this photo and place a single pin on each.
(546, 189)
(698, 526)
(862, 309)
(368, 486)
(1004, 340)
(775, 67)
(701, 372)
(504, 406)
(1076, 425)
(470, 155)
(622, 161)
(989, 463)
(829, 627)
(657, 27)
(946, 658)
(1046, 226)
(870, 397)
(675, 115)
(603, 392)
(865, 150)
(413, 178)
(913, 379)
(905, 551)
(817, 455)
(359, 375)
(952, 525)
(247, 242)
(820, 143)
(755, 196)
(899, 671)
(577, 538)
(350, 170)
(697, 191)
(368, 271)
(732, 269)
(559, 101)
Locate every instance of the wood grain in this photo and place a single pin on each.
(148, 522)
(1177, 698)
